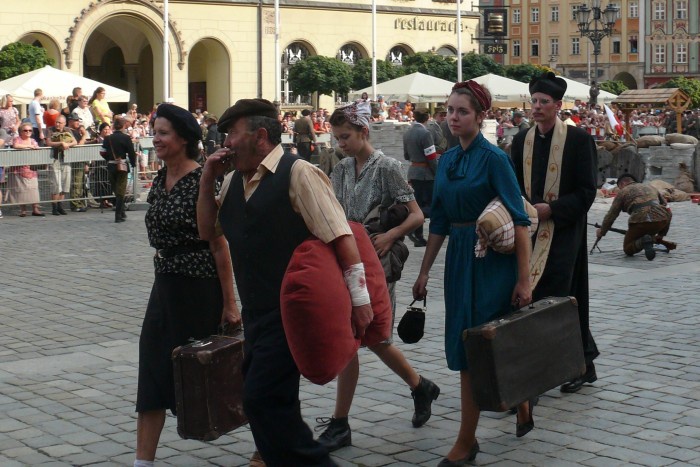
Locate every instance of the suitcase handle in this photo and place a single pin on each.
(225, 329)
(414, 301)
(518, 309)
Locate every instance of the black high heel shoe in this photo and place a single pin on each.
(521, 429)
(463, 461)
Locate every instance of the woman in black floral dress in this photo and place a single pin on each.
(193, 289)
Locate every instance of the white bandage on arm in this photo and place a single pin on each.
(357, 285)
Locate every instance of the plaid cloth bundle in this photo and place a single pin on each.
(496, 230)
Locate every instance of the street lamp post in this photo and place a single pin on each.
(596, 24)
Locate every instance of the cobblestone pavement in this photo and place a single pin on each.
(73, 291)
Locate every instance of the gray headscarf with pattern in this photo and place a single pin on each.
(358, 113)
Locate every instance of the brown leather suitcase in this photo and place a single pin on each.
(525, 353)
(209, 387)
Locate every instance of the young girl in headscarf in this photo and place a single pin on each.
(361, 182)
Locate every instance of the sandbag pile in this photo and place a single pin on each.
(650, 140)
(678, 138)
(684, 181)
(669, 192)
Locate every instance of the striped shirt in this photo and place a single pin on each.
(310, 193)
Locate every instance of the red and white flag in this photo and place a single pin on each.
(614, 123)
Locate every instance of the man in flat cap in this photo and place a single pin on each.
(556, 166)
(266, 208)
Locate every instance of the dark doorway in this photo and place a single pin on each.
(198, 96)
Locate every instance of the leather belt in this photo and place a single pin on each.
(420, 164)
(181, 249)
(463, 224)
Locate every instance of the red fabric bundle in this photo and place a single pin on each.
(316, 307)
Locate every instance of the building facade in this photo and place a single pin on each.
(545, 32)
(222, 50)
(673, 41)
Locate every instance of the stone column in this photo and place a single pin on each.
(132, 71)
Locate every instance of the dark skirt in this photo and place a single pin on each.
(179, 308)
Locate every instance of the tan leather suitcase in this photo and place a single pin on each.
(209, 387)
(525, 353)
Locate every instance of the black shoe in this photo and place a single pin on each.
(60, 209)
(420, 242)
(588, 377)
(648, 244)
(81, 210)
(38, 214)
(119, 219)
(521, 429)
(463, 461)
(336, 435)
(423, 396)
(412, 237)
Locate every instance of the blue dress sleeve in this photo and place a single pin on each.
(502, 176)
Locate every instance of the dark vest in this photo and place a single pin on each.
(262, 234)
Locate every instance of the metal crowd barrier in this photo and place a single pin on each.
(89, 177)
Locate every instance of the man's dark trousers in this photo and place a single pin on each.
(271, 394)
(304, 151)
(423, 191)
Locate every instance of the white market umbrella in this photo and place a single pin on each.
(416, 87)
(56, 84)
(505, 92)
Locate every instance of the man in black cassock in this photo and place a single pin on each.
(566, 270)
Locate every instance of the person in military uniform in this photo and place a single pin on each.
(419, 149)
(304, 135)
(649, 219)
(433, 125)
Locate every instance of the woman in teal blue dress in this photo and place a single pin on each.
(476, 289)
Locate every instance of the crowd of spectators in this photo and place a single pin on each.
(592, 118)
(90, 118)
(596, 122)
(80, 121)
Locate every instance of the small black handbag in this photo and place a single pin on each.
(411, 326)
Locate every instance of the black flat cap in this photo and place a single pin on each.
(184, 124)
(247, 108)
(548, 84)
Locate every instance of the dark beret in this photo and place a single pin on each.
(549, 84)
(184, 124)
(247, 108)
